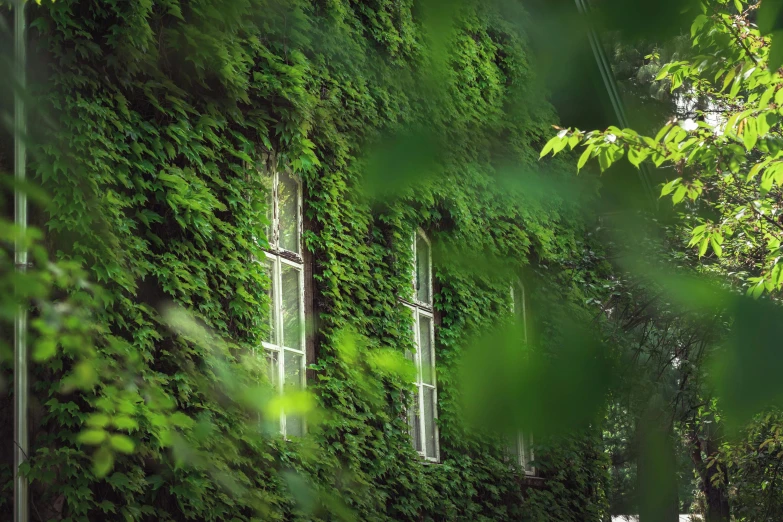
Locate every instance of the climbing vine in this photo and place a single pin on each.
(153, 119)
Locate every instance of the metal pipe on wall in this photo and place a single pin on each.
(21, 446)
(604, 67)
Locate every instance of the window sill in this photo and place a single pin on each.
(532, 481)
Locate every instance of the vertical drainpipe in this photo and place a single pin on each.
(584, 8)
(21, 499)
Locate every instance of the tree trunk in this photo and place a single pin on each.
(714, 481)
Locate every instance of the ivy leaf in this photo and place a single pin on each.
(91, 437)
(122, 443)
(98, 420)
(44, 350)
(102, 462)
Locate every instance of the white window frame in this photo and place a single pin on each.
(423, 309)
(522, 449)
(280, 257)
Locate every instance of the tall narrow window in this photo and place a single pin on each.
(521, 448)
(284, 346)
(424, 411)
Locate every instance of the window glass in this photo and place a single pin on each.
(521, 450)
(425, 350)
(288, 194)
(268, 182)
(273, 367)
(429, 421)
(291, 306)
(286, 294)
(416, 422)
(293, 370)
(271, 335)
(422, 415)
(294, 377)
(423, 286)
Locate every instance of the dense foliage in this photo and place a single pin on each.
(720, 152)
(153, 120)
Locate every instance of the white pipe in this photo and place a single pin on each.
(21, 446)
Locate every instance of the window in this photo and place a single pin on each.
(284, 346)
(521, 448)
(422, 418)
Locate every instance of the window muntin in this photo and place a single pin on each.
(521, 448)
(284, 346)
(423, 416)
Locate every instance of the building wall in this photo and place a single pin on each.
(156, 121)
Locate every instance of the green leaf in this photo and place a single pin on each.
(670, 186)
(661, 133)
(766, 97)
(735, 86)
(762, 125)
(44, 350)
(768, 18)
(698, 23)
(775, 60)
(549, 146)
(663, 72)
(750, 133)
(91, 437)
(738, 6)
(679, 194)
(727, 80)
(124, 422)
(637, 156)
(98, 420)
(102, 462)
(122, 443)
(703, 246)
(716, 246)
(584, 157)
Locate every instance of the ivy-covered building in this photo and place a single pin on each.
(320, 184)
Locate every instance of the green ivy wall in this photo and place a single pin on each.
(396, 114)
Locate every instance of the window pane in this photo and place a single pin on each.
(415, 421)
(272, 318)
(294, 426)
(513, 451)
(291, 302)
(429, 421)
(527, 445)
(425, 350)
(288, 203)
(423, 293)
(409, 354)
(267, 181)
(292, 364)
(273, 368)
